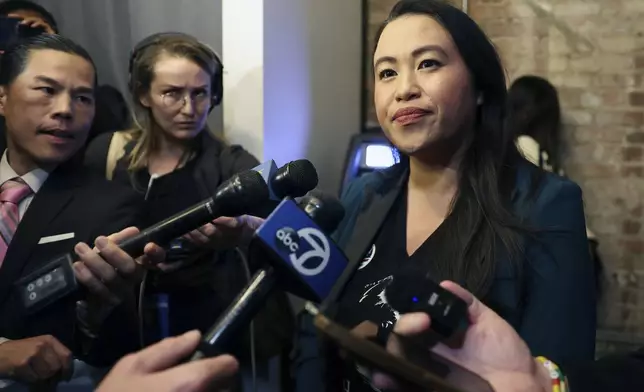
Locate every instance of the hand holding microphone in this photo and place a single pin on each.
(299, 258)
(237, 196)
(156, 369)
(225, 232)
(111, 275)
(293, 180)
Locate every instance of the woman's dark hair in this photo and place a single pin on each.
(483, 216)
(112, 112)
(9, 6)
(14, 60)
(483, 225)
(533, 110)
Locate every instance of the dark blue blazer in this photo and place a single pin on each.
(552, 304)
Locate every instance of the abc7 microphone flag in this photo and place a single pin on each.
(311, 261)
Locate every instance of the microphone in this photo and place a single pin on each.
(234, 197)
(303, 261)
(293, 179)
(324, 209)
(267, 171)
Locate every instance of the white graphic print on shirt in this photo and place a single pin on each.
(376, 293)
(368, 257)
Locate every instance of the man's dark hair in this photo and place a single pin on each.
(14, 59)
(9, 6)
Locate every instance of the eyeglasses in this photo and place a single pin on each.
(175, 100)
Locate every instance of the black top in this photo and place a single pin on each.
(365, 296)
(200, 292)
(167, 194)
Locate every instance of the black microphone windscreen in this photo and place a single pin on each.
(241, 192)
(324, 209)
(294, 179)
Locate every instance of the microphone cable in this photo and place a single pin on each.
(253, 363)
(140, 310)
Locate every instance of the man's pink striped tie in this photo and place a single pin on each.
(12, 193)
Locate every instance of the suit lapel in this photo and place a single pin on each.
(368, 223)
(51, 199)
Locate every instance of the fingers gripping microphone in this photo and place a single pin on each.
(56, 279)
(234, 197)
(303, 261)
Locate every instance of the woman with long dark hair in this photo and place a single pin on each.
(462, 204)
(534, 114)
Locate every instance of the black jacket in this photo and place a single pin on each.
(222, 272)
(70, 201)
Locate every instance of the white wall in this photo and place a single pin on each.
(309, 80)
(243, 53)
(292, 67)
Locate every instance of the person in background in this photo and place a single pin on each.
(49, 206)
(534, 114)
(173, 160)
(112, 112)
(32, 14)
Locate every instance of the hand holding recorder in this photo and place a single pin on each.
(491, 349)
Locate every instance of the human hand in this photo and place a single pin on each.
(35, 359)
(155, 369)
(491, 348)
(225, 232)
(33, 22)
(110, 276)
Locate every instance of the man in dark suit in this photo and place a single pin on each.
(48, 204)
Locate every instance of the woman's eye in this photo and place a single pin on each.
(429, 64)
(386, 73)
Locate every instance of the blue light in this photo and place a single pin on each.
(379, 156)
(415, 299)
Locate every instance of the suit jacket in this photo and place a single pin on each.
(70, 201)
(551, 305)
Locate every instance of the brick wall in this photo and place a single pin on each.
(593, 51)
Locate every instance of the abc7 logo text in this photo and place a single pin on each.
(312, 261)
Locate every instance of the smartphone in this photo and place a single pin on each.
(432, 373)
(11, 30)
